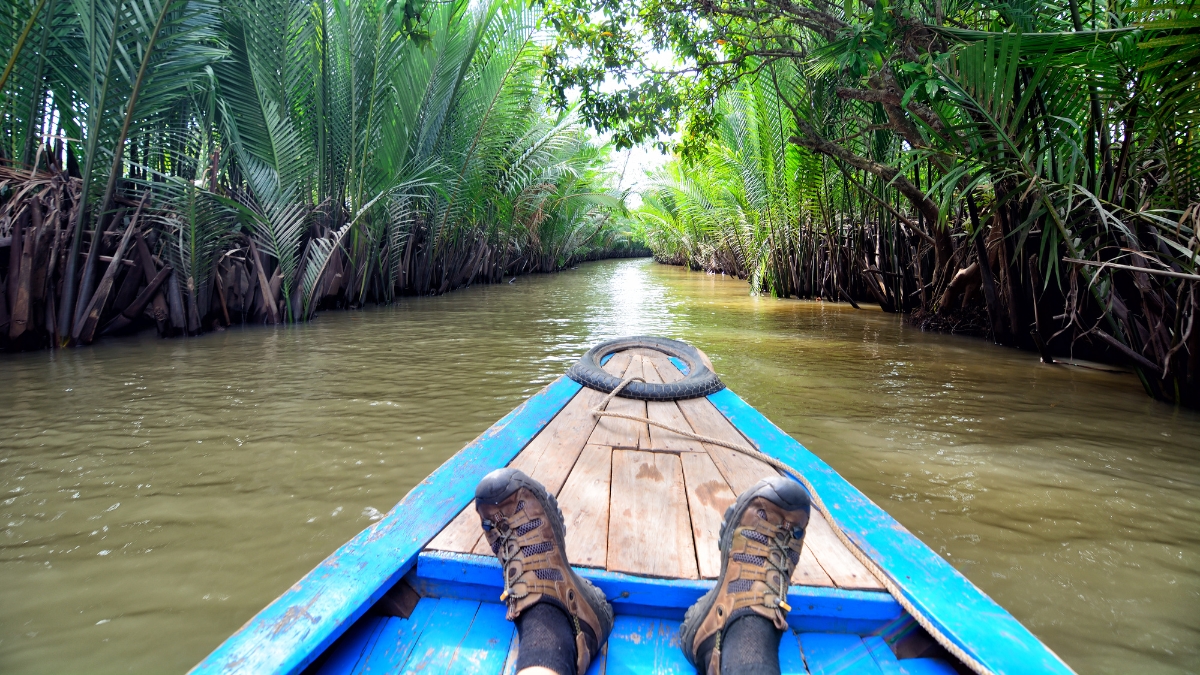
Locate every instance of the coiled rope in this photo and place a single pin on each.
(884, 577)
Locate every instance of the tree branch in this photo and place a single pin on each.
(813, 141)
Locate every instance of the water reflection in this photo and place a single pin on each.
(155, 494)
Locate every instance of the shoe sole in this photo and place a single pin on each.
(500, 485)
(696, 613)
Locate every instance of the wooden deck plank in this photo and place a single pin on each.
(553, 452)
(740, 471)
(837, 654)
(666, 412)
(548, 458)
(809, 572)
(443, 634)
(591, 516)
(584, 504)
(550, 455)
(397, 639)
(708, 496)
(612, 431)
(482, 651)
(639, 645)
(666, 370)
(461, 534)
(842, 567)
(649, 529)
(698, 473)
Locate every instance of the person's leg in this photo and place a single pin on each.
(562, 619)
(735, 628)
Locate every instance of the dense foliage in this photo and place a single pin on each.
(1023, 169)
(255, 159)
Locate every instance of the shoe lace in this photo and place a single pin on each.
(780, 560)
(507, 551)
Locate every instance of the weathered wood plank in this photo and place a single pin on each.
(666, 412)
(394, 644)
(442, 636)
(551, 464)
(612, 431)
(584, 501)
(708, 496)
(740, 471)
(666, 370)
(550, 457)
(809, 572)
(510, 660)
(842, 567)
(649, 526)
(461, 534)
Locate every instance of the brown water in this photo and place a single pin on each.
(154, 494)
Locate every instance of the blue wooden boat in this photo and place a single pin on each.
(419, 590)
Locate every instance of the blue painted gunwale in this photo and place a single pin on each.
(965, 614)
(475, 577)
(299, 625)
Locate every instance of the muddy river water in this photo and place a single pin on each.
(155, 494)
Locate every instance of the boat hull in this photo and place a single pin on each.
(332, 620)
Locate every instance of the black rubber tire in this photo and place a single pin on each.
(699, 381)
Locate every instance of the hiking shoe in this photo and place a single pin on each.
(760, 545)
(525, 528)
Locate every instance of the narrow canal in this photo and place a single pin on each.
(154, 494)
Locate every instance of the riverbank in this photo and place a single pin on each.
(136, 276)
(180, 485)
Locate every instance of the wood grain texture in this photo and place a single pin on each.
(584, 501)
(666, 412)
(708, 496)
(612, 431)
(809, 572)
(443, 634)
(842, 567)
(461, 534)
(649, 526)
(548, 458)
(741, 471)
(665, 369)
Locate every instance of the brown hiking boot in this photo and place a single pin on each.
(525, 528)
(760, 545)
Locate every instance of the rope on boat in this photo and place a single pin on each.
(884, 577)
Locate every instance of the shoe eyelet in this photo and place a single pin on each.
(720, 611)
(571, 595)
